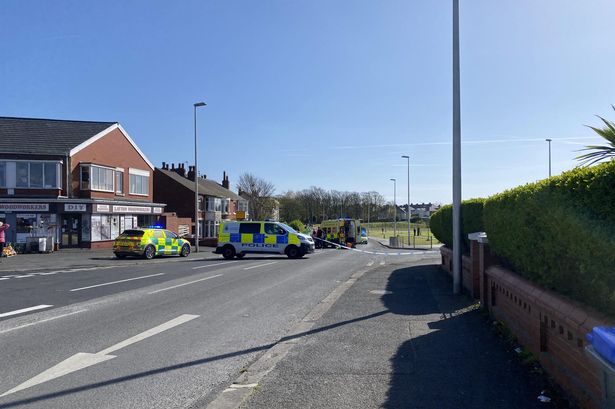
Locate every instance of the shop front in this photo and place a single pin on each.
(33, 226)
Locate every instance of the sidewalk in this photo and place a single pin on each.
(385, 243)
(418, 346)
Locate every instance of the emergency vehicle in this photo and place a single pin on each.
(238, 238)
(149, 243)
(350, 230)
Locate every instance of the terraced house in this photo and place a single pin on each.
(72, 183)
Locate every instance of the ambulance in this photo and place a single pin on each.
(350, 230)
(238, 238)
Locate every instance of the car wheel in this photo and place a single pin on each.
(228, 252)
(293, 252)
(149, 252)
(240, 255)
(185, 251)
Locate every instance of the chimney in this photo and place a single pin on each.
(225, 183)
(164, 164)
(172, 166)
(191, 173)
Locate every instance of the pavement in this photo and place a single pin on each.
(385, 242)
(398, 338)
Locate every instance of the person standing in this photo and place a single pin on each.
(3, 227)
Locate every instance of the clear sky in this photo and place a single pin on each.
(322, 92)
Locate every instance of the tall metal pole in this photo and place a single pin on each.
(456, 154)
(196, 182)
(408, 212)
(549, 140)
(394, 207)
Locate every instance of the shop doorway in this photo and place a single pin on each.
(71, 229)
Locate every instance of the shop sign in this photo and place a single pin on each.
(103, 208)
(24, 207)
(157, 210)
(74, 207)
(132, 209)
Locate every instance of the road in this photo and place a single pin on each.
(172, 333)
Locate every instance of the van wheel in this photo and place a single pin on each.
(228, 252)
(293, 252)
(185, 251)
(240, 255)
(149, 252)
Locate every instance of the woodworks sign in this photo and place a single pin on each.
(24, 207)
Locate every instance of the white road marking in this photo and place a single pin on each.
(382, 262)
(371, 263)
(181, 285)
(36, 307)
(116, 282)
(260, 265)
(83, 360)
(38, 322)
(210, 265)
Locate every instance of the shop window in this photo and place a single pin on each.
(101, 227)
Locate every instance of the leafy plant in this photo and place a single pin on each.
(600, 152)
(441, 222)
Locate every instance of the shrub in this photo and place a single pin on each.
(297, 225)
(441, 222)
(560, 233)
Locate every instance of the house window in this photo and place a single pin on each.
(214, 204)
(139, 182)
(2, 174)
(211, 229)
(85, 177)
(34, 175)
(119, 182)
(242, 206)
(225, 205)
(95, 177)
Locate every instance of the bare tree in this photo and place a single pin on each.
(259, 192)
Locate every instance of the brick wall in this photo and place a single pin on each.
(469, 274)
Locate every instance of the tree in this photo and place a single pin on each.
(600, 152)
(259, 193)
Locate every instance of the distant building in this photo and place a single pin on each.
(175, 187)
(76, 183)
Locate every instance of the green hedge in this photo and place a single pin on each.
(441, 222)
(560, 233)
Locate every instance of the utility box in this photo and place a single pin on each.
(601, 351)
(393, 241)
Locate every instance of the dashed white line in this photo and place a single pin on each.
(36, 307)
(211, 265)
(116, 282)
(382, 262)
(260, 265)
(183, 284)
(40, 321)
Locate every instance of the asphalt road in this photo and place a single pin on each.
(166, 334)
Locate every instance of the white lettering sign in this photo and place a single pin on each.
(74, 207)
(27, 207)
(157, 210)
(103, 208)
(132, 209)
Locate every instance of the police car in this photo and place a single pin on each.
(149, 243)
(238, 238)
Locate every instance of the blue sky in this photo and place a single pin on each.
(322, 92)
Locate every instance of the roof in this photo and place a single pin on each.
(46, 136)
(207, 187)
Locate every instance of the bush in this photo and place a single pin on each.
(297, 225)
(560, 233)
(441, 222)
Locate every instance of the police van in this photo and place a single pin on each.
(238, 238)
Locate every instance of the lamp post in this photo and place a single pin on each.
(549, 141)
(456, 154)
(196, 181)
(394, 206)
(408, 212)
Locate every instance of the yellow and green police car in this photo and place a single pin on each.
(238, 238)
(149, 243)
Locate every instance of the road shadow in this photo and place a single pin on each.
(455, 361)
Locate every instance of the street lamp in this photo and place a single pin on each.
(394, 206)
(408, 212)
(196, 182)
(549, 141)
(456, 154)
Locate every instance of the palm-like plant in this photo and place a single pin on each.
(600, 152)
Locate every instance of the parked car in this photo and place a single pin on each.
(149, 243)
(363, 237)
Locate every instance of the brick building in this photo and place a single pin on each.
(77, 183)
(175, 187)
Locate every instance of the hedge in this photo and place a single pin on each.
(560, 233)
(441, 223)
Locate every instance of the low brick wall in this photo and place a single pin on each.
(469, 273)
(552, 327)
